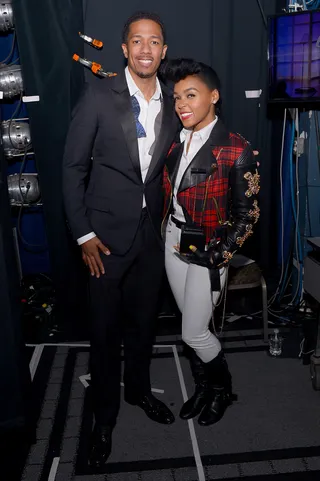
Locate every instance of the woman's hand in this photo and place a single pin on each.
(201, 258)
(177, 248)
(255, 153)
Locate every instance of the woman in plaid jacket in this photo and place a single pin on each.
(211, 185)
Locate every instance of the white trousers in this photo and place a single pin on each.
(191, 288)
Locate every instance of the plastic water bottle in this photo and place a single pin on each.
(275, 343)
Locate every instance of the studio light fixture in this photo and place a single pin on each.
(16, 139)
(23, 189)
(6, 16)
(95, 67)
(11, 83)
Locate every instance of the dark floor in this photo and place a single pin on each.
(273, 429)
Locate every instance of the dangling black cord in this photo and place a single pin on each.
(265, 21)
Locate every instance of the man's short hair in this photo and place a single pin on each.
(142, 16)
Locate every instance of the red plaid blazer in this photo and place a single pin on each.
(204, 188)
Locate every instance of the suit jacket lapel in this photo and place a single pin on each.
(123, 105)
(204, 162)
(168, 116)
(173, 161)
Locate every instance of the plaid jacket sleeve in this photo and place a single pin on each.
(244, 185)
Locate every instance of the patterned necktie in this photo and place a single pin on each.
(136, 111)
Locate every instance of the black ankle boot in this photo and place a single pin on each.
(220, 391)
(195, 404)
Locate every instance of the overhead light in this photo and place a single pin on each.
(11, 83)
(23, 189)
(6, 16)
(297, 6)
(16, 139)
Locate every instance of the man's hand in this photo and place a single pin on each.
(91, 256)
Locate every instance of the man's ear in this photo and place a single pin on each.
(215, 96)
(125, 50)
(164, 51)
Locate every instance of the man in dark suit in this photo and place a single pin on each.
(120, 133)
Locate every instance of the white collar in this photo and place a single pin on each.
(133, 89)
(203, 133)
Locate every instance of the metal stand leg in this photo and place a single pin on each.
(264, 309)
(315, 360)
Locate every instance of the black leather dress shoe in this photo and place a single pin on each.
(101, 444)
(154, 409)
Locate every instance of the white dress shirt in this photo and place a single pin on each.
(199, 138)
(148, 113)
